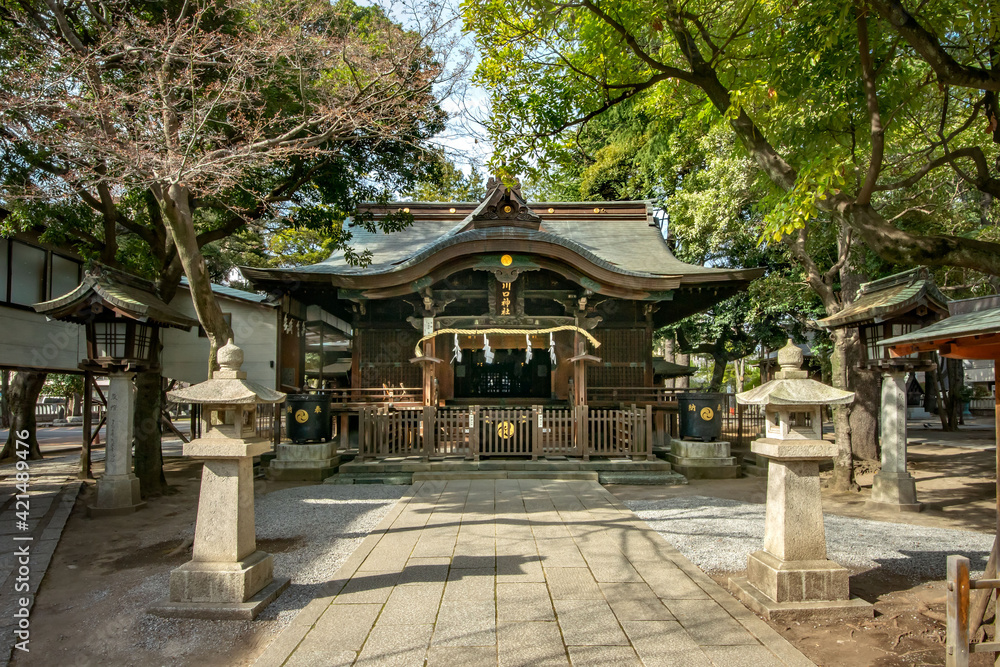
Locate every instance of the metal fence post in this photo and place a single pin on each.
(957, 626)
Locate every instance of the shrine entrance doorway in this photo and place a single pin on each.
(509, 376)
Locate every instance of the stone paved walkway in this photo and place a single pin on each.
(522, 572)
(52, 491)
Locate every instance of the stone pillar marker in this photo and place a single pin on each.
(118, 489)
(227, 576)
(792, 578)
(893, 488)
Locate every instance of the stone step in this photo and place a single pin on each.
(646, 479)
(732, 471)
(698, 461)
(507, 474)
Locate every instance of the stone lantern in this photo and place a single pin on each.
(122, 319)
(791, 578)
(227, 576)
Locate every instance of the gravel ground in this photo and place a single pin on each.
(718, 534)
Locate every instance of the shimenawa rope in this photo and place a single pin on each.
(479, 332)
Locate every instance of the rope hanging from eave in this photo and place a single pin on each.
(496, 330)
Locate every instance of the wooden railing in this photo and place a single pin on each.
(521, 432)
(741, 424)
(372, 395)
(615, 396)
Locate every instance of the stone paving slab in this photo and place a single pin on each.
(52, 491)
(522, 572)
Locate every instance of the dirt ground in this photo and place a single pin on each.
(104, 574)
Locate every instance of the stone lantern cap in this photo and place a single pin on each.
(228, 385)
(792, 386)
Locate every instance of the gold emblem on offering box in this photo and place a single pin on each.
(318, 409)
(301, 416)
(505, 430)
(707, 414)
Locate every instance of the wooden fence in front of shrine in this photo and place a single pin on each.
(477, 431)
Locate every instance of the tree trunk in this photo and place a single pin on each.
(175, 200)
(843, 464)
(684, 381)
(5, 399)
(24, 391)
(718, 373)
(867, 405)
(956, 381)
(148, 433)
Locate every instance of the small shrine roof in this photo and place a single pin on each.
(120, 292)
(967, 325)
(670, 369)
(883, 299)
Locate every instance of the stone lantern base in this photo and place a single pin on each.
(228, 577)
(226, 591)
(791, 579)
(117, 495)
(304, 463)
(785, 612)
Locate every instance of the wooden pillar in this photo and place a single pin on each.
(88, 406)
(343, 430)
(996, 412)
(474, 433)
(430, 372)
(650, 456)
(536, 431)
(582, 445)
(580, 375)
(429, 431)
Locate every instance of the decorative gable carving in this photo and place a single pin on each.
(503, 207)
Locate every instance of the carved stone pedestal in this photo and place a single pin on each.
(893, 488)
(304, 462)
(118, 489)
(703, 460)
(792, 579)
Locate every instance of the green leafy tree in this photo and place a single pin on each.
(864, 120)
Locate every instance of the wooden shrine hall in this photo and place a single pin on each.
(497, 328)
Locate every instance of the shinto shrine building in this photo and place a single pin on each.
(526, 316)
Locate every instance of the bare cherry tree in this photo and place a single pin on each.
(193, 107)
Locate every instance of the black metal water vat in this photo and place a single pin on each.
(307, 418)
(700, 416)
